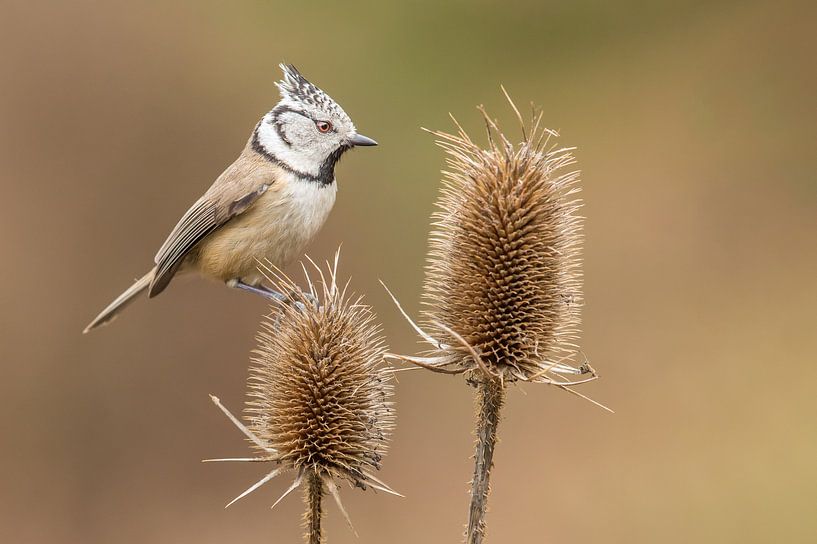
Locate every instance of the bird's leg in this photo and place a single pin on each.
(272, 294)
(265, 292)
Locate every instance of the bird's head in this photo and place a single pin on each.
(306, 131)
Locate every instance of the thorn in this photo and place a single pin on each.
(248, 433)
(423, 363)
(421, 332)
(382, 486)
(585, 397)
(256, 485)
(289, 490)
(241, 459)
(333, 489)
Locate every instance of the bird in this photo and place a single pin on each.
(267, 205)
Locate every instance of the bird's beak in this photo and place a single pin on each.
(360, 139)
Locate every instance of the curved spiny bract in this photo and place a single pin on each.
(503, 269)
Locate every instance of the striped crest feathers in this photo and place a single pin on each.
(298, 89)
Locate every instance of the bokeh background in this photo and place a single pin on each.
(695, 127)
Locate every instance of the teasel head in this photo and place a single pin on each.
(503, 285)
(319, 392)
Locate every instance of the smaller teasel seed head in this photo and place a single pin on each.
(319, 390)
(503, 275)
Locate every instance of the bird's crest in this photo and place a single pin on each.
(297, 88)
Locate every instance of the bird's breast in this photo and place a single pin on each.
(277, 227)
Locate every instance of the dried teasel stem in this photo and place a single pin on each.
(313, 497)
(489, 400)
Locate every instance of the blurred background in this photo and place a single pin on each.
(695, 127)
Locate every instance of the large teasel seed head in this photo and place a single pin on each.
(319, 390)
(503, 273)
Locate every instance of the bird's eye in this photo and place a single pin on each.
(323, 126)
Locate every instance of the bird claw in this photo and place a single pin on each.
(309, 297)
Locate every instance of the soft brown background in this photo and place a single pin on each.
(695, 124)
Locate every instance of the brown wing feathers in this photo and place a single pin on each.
(203, 218)
(232, 194)
(198, 222)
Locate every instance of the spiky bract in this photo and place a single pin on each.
(319, 390)
(503, 268)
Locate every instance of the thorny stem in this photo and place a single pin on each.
(489, 401)
(313, 495)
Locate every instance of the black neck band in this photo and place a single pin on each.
(326, 173)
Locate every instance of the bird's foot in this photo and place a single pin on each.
(271, 294)
(309, 297)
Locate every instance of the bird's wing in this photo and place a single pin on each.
(232, 194)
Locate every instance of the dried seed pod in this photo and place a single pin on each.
(319, 392)
(503, 268)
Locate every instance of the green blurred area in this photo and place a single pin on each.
(695, 127)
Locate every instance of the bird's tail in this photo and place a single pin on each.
(108, 314)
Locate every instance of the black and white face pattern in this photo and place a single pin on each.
(307, 132)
